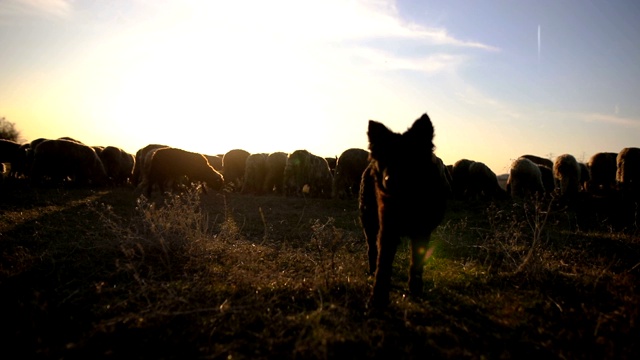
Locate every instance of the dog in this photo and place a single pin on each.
(403, 193)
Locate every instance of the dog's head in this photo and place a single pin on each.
(402, 161)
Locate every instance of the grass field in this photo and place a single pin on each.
(102, 273)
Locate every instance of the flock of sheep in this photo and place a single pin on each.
(156, 167)
(65, 160)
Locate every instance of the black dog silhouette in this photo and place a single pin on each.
(403, 193)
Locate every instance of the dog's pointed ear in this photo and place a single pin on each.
(422, 130)
(379, 136)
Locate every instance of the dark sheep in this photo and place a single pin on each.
(460, 177)
(20, 166)
(548, 182)
(274, 180)
(403, 193)
(233, 167)
(584, 176)
(602, 173)
(61, 160)
(307, 173)
(215, 161)
(447, 173)
(171, 165)
(566, 172)
(8, 149)
(628, 173)
(71, 139)
(539, 160)
(332, 161)
(483, 183)
(9, 152)
(255, 174)
(145, 169)
(525, 179)
(348, 173)
(118, 163)
(139, 164)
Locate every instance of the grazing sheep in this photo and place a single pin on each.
(9, 152)
(403, 193)
(448, 177)
(20, 165)
(8, 149)
(71, 139)
(348, 173)
(305, 170)
(628, 173)
(139, 164)
(215, 161)
(483, 183)
(233, 167)
(255, 173)
(118, 163)
(584, 176)
(548, 182)
(525, 179)
(274, 180)
(145, 169)
(332, 161)
(460, 177)
(98, 149)
(61, 160)
(539, 160)
(602, 173)
(170, 165)
(566, 172)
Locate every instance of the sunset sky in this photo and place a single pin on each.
(498, 78)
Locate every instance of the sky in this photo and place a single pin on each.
(498, 78)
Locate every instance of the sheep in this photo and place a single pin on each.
(525, 179)
(139, 164)
(628, 173)
(9, 153)
(460, 177)
(274, 179)
(215, 161)
(548, 182)
(20, 165)
(539, 160)
(403, 193)
(602, 174)
(255, 173)
(233, 167)
(584, 176)
(170, 165)
(348, 173)
(483, 183)
(304, 172)
(118, 163)
(566, 172)
(332, 161)
(60, 160)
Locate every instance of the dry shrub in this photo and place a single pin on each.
(181, 264)
(517, 239)
(160, 239)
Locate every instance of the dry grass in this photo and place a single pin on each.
(97, 274)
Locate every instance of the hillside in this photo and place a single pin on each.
(102, 273)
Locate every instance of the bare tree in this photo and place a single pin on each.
(8, 130)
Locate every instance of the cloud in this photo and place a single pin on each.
(609, 119)
(10, 9)
(366, 32)
(326, 20)
(380, 60)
